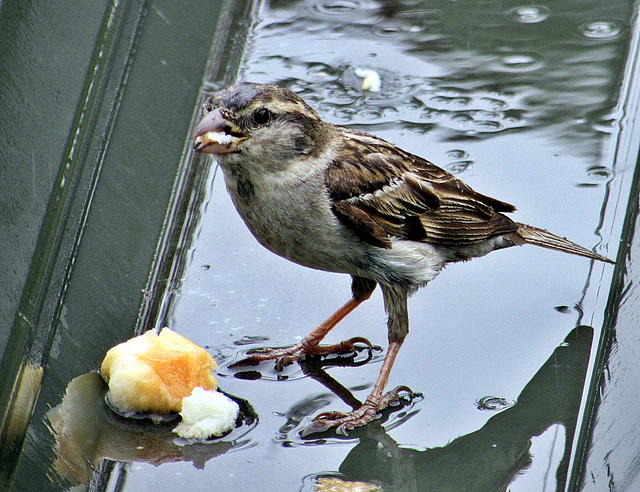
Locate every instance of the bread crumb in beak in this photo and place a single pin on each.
(218, 137)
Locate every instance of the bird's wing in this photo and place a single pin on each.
(380, 191)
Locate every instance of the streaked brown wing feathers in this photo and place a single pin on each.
(380, 191)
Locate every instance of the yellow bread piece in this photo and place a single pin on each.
(153, 373)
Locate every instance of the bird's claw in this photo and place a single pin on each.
(288, 355)
(344, 422)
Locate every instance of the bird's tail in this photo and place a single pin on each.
(539, 237)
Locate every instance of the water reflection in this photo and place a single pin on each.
(87, 433)
(240, 366)
(495, 455)
(559, 61)
(298, 431)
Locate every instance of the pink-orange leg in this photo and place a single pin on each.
(310, 345)
(375, 402)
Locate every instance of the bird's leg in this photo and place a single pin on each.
(374, 403)
(310, 345)
(395, 301)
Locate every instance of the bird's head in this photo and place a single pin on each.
(260, 125)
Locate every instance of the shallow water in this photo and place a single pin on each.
(525, 103)
(521, 106)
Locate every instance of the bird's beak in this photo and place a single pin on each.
(217, 135)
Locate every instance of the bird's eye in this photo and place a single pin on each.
(262, 116)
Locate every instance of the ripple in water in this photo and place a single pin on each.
(519, 62)
(600, 30)
(301, 415)
(338, 7)
(597, 175)
(605, 121)
(388, 31)
(407, 102)
(457, 154)
(529, 14)
(493, 403)
(458, 167)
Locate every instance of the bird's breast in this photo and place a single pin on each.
(296, 222)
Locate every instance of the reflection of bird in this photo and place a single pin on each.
(496, 455)
(340, 200)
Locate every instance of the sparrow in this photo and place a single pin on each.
(337, 199)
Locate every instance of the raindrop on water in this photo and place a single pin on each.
(599, 173)
(336, 7)
(459, 166)
(323, 72)
(605, 121)
(520, 62)
(529, 14)
(488, 126)
(493, 403)
(488, 115)
(460, 101)
(494, 103)
(371, 114)
(346, 114)
(462, 121)
(596, 175)
(457, 154)
(387, 31)
(600, 30)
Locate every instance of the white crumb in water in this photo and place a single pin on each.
(219, 137)
(206, 414)
(371, 82)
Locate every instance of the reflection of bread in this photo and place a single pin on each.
(153, 373)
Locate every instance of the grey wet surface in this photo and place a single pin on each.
(482, 107)
(526, 103)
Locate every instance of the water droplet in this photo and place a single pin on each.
(438, 99)
(371, 114)
(600, 173)
(431, 115)
(600, 30)
(488, 115)
(597, 175)
(461, 101)
(493, 403)
(605, 125)
(529, 14)
(488, 126)
(323, 72)
(387, 31)
(457, 154)
(419, 129)
(520, 62)
(563, 309)
(494, 104)
(338, 7)
(346, 114)
(459, 166)
(462, 121)
(339, 97)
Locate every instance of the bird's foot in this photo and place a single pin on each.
(345, 422)
(288, 355)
